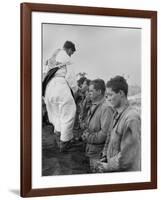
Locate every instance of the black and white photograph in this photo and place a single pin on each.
(91, 99)
(88, 101)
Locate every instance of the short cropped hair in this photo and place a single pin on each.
(99, 84)
(81, 80)
(118, 83)
(69, 45)
(87, 81)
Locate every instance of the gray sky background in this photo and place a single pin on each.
(101, 52)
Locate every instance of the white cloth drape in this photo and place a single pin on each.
(59, 101)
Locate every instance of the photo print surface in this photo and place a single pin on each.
(91, 99)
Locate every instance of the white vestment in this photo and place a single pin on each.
(59, 101)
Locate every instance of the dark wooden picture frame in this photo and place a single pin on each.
(26, 98)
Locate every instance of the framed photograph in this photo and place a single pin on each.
(88, 99)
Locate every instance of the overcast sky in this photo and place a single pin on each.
(101, 52)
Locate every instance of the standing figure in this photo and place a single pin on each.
(59, 92)
(85, 103)
(98, 122)
(123, 151)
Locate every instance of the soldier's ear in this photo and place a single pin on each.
(122, 93)
(100, 92)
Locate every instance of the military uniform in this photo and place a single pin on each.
(123, 150)
(98, 122)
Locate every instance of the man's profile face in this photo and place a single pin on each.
(84, 86)
(93, 93)
(113, 97)
(69, 52)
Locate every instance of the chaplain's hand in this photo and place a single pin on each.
(82, 125)
(85, 135)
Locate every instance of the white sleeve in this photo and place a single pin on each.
(45, 70)
(62, 57)
(71, 78)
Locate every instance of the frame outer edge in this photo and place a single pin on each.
(154, 100)
(25, 61)
(26, 103)
(89, 10)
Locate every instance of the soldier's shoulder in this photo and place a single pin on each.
(107, 106)
(133, 112)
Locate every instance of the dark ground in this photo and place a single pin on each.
(55, 162)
